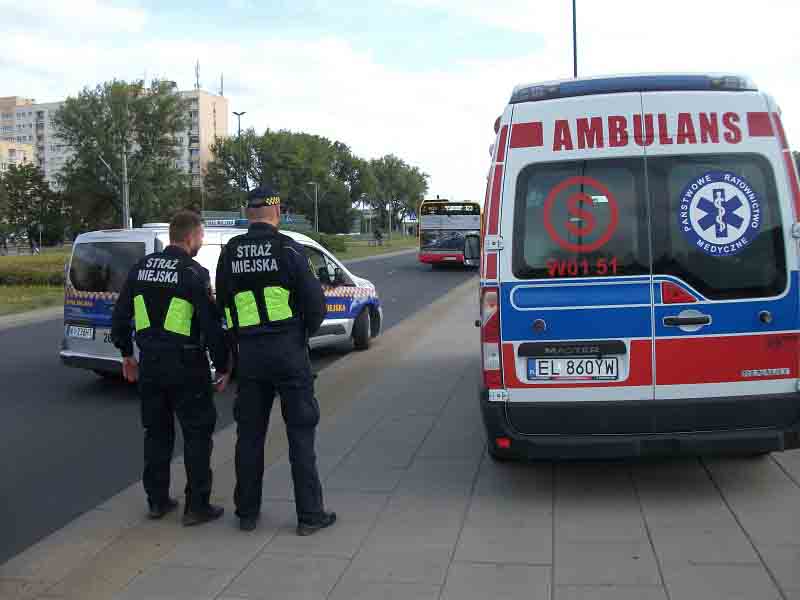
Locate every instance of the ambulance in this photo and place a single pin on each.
(101, 260)
(640, 285)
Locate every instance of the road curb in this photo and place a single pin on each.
(379, 256)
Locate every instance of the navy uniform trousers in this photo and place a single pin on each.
(174, 382)
(268, 364)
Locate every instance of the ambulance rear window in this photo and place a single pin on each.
(717, 224)
(103, 266)
(581, 219)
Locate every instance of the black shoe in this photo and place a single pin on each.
(248, 523)
(326, 520)
(158, 511)
(198, 516)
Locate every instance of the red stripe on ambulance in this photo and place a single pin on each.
(494, 202)
(725, 359)
(527, 135)
(501, 149)
(791, 168)
(759, 124)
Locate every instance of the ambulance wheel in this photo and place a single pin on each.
(362, 331)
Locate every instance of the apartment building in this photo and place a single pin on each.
(12, 153)
(208, 122)
(24, 121)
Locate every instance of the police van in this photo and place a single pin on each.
(640, 282)
(101, 260)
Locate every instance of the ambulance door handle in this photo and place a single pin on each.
(677, 321)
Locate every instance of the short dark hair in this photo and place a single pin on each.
(182, 224)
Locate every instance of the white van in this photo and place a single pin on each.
(639, 279)
(101, 260)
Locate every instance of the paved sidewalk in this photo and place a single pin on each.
(424, 514)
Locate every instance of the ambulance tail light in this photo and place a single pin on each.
(490, 338)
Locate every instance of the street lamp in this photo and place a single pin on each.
(242, 180)
(574, 42)
(126, 207)
(316, 204)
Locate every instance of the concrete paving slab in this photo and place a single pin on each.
(169, 582)
(112, 569)
(783, 561)
(708, 533)
(221, 545)
(510, 516)
(439, 477)
(393, 442)
(720, 582)
(356, 514)
(273, 576)
(54, 557)
(21, 589)
(353, 589)
(609, 563)
(367, 478)
(790, 462)
(493, 534)
(765, 501)
(403, 563)
(610, 592)
(469, 581)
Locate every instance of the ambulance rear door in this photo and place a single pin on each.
(575, 277)
(724, 263)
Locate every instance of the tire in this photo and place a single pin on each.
(362, 331)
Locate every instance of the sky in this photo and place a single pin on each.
(422, 79)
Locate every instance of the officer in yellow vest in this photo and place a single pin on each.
(167, 300)
(273, 303)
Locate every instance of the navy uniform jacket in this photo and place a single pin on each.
(295, 272)
(206, 330)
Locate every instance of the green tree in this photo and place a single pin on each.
(117, 119)
(399, 188)
(28, 202)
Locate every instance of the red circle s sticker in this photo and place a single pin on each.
(581, 222)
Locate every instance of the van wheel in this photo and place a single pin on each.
(362, 331)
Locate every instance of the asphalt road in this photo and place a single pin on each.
(69, 440)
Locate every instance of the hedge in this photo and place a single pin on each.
(44, 269)
(333, 243)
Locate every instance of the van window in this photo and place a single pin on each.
(717, 224)
(581, 219)
(103, 266)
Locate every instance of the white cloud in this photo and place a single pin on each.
(439, 119)
(63, 17)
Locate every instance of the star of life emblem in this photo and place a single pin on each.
(720, 213)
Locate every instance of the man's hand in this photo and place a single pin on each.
(130, 369)
(222, 382)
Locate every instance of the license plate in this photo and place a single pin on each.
(84, 333)
(574, 368)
